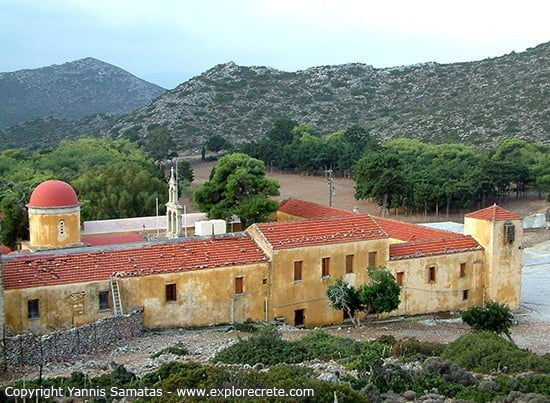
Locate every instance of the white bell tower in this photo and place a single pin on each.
(173, 209)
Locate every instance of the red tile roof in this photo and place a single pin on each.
(297, 234)
(4, 249)
(305, 209)
(494, 213)
(53, 193)
(408, 250)
(42, 269)
(98, 240)
(412, 232)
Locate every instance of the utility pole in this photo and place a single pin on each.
(330, 180)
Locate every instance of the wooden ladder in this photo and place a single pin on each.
(115, 292)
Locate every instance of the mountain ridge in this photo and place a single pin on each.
(71, 90)
(478, 102)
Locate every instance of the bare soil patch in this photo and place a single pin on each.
(315, 189)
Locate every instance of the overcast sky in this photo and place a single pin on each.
(167, 42)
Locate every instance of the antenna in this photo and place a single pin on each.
(157, 206)
(331, 190)
(177, 189)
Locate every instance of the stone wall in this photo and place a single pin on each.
(28, 349)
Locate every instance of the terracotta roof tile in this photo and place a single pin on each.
(297, 234)
(107, 239)
(305, 209)
(409, 250)
(4, 249)
(42, 269)
(494, 213)
(412, 232)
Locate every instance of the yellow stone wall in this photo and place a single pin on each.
(503, 261)
(204, 297)
(310, 293)
(419, 296)
(44, 229)
(61, 306)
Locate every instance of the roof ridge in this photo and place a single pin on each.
(378, 225)
(123, 246)
(455, 234)
(431, 240)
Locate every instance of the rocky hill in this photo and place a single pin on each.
(40, 133)
(477, 102)
(71, 91)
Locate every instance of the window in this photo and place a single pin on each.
(325, 266)
(239, 285)
(431, 274)
(462, 270)
(298, 271)
(372, 260)
(299, 317)
(464, 295)
(399, 278)
(61, 229)
(349, 264)
(103, 300)
(171, 294)
(33, 308)
(509, 232)
(264, 281)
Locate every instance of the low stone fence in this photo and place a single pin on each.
(29, 349)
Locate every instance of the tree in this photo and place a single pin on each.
(281, 130)
(518, 155)
(491, 316)
(380, 295)
(238, 186)
(185, 172)
(216, 143)
(113, 178)
(343, 296)
(124, 189)
(379, 175)
(159, 144)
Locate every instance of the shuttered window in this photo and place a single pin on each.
(239, 285)
(325, 266)
(171, 294)
(298, 270)
(349, 264)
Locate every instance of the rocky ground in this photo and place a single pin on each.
(203, 344)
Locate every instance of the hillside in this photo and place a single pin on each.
(477, 102)
(40, 133)
(71, 91)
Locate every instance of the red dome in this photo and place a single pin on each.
(53, 193)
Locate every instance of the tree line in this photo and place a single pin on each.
(408, 173)
(113, 178)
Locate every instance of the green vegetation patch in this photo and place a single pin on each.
(487, 352)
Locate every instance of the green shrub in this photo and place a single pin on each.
(245, 327)
(176, 350)
(371, 356)
(386, 339)
(413, 347)
(487, 352)
(492, 317)
(267, 347)
(322, 346)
